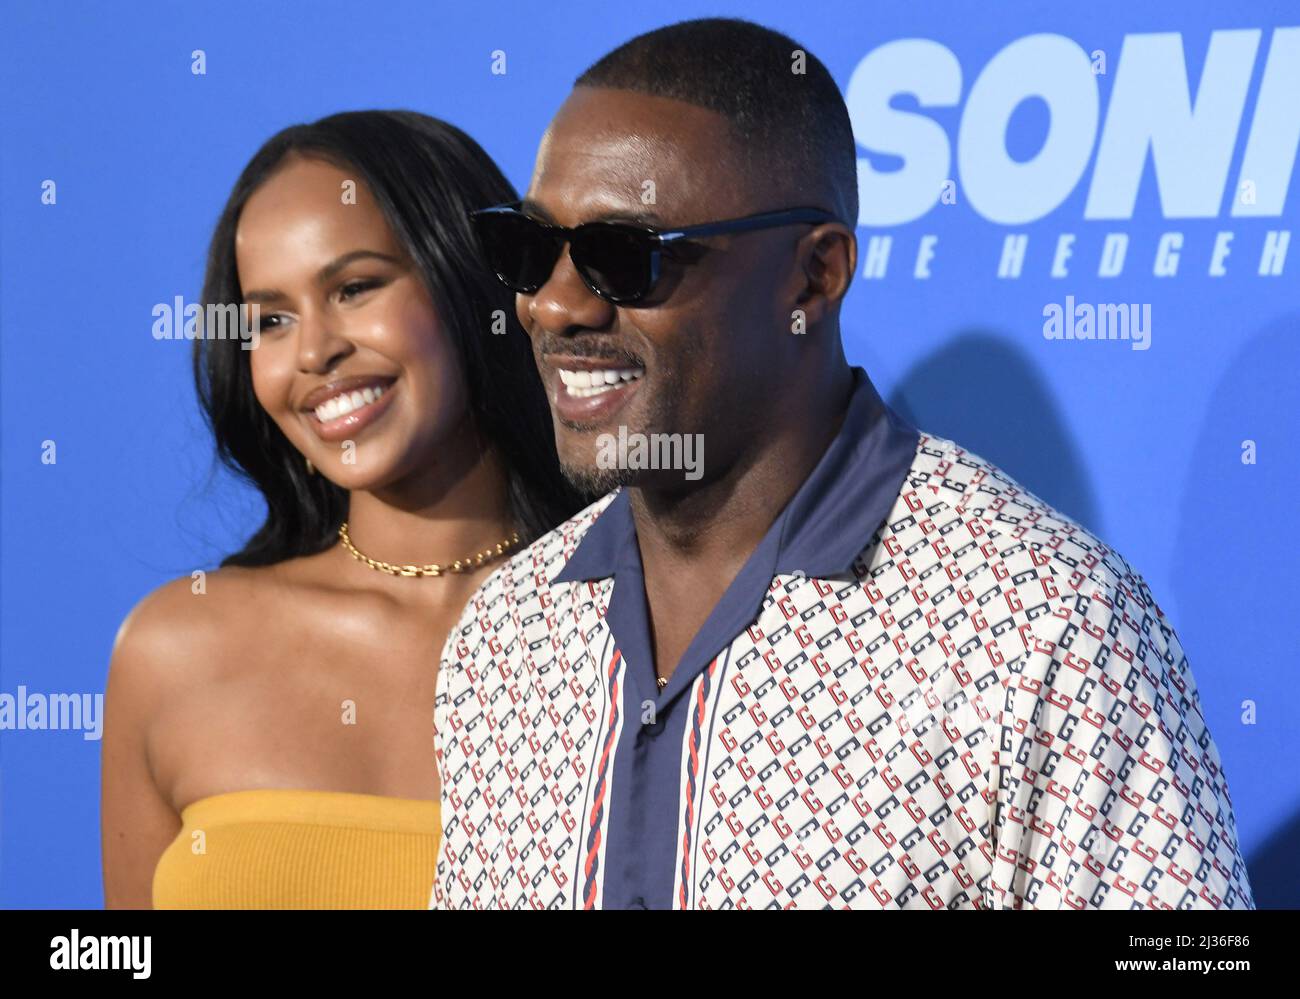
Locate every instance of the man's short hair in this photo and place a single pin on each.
(790, 126)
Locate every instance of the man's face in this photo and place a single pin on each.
(706, 351)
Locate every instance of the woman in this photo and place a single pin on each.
(268, 737)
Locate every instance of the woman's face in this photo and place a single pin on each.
(352, 362)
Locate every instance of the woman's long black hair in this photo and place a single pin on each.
(425, 175)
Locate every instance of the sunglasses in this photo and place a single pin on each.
(619, 261)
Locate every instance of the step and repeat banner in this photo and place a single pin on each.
(1077, 258)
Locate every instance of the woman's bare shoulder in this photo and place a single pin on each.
(192, 624)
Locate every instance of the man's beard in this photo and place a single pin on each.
(596, 481)
(588, 475)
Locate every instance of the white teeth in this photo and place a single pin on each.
(584, 393)
(583, 384)
(348, 402)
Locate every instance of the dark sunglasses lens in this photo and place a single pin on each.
(615, 260)
(518, 249)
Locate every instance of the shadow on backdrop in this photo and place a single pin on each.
(1235, 549)
(1021, 431)
(1275, 868)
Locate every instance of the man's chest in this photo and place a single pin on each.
(835, 752)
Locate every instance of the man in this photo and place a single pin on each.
(839, 662)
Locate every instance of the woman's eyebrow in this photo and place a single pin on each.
(336, 265)
(263, 295)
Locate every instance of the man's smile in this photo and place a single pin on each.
(589, 390)
(582, 383)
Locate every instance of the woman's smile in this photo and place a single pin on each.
(342, 408)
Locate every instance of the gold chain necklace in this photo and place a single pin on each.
(460, 565)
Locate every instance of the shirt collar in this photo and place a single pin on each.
(828, 521)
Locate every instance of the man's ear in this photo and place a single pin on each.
(828, 255)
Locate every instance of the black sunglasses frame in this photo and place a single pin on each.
(656, 241)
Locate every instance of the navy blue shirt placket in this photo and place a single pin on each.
(825, 524)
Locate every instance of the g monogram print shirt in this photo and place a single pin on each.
(925, 689)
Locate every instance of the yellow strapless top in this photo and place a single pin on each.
(293, 849)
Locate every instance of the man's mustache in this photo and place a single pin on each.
(592, 351)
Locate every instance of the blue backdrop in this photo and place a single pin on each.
(1012, 155)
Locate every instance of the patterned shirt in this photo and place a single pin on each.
(926, 688)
